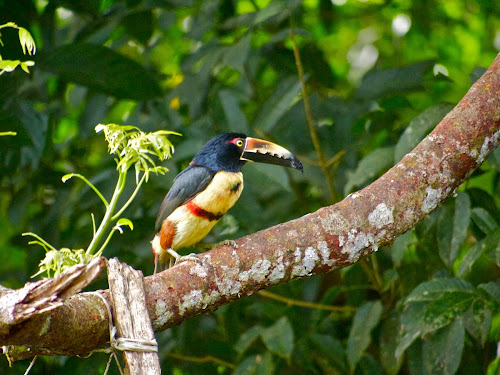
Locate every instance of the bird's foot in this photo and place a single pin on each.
(182, 258)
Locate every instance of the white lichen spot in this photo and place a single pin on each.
(162, 313)
(198, 270)
(257, 272)
(356, 242)
(306, 264)
(341, 241)
(279, 270)
(277, 274)
(381, 216)
(191, 300)
(325, 253)
(432, 199)
(292, 234)
(226, 283)
(487, 146)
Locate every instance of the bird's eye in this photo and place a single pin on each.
(239, 143)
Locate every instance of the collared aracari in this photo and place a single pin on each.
(203, 192)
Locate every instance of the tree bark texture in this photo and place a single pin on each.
(330, 238)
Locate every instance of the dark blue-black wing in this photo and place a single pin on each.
(187, 184)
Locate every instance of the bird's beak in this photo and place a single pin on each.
(262, 151)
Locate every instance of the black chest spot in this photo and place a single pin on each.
(236, 187)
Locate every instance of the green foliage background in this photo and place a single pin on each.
(426, 305)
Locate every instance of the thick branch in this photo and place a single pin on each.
(330, 238)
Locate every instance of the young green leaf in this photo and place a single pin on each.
(27, 42)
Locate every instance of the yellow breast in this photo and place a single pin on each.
(219, 196)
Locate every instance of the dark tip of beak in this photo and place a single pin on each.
(262, 151)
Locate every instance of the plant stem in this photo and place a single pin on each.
(310, 120)
(91, 185)
(310, 305)
(132, 197)
(106, 220)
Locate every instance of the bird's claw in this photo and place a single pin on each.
(183, 258)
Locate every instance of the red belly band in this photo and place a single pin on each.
(200, 212)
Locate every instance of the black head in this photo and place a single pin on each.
(230, 151)
(222, 153)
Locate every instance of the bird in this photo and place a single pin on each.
(203, 192)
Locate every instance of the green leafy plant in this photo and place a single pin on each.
(133, 148)
(28, 46)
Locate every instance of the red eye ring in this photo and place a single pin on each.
(237, 141)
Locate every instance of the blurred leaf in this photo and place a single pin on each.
(234, 116)
(277, 104)
(276, 7)
(248, 338)
(101, 69)
(400, 245)
(256, 365)
(274, 12)
(265, 364)
(370, 166)
(368, 365)
(379, 83)
(494, 367)
(411, 326)
(247, 367)
(494, 158)
(476, 74)
(236, 55)
(140, 25)
(486, 245)
(436, 289)
(418, 128)
(477, 321)
(18, 205)
(365, 320)
(440, 312)
(442, 351)
(483, 220)
(492, 288)
(279, 338)
(389, 341)
(329, 349)
(452, 227)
